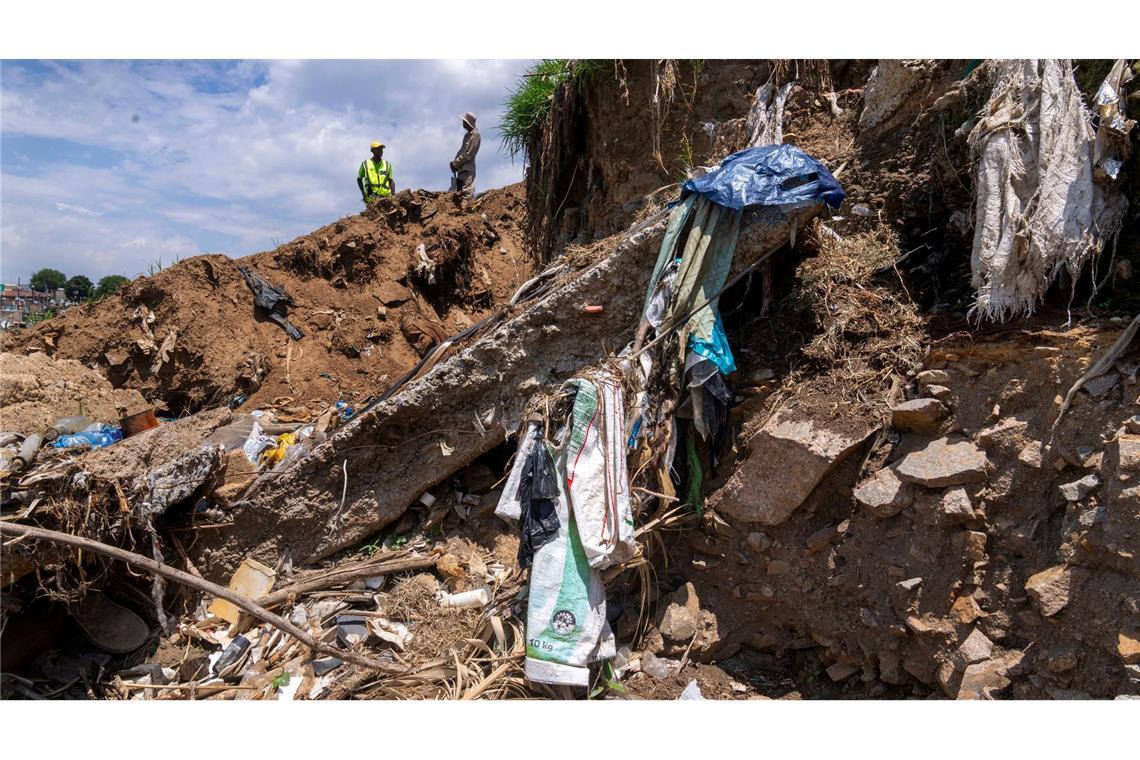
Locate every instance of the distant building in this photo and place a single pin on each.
(20, 304)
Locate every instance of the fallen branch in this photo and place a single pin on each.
(1102, 365)
(337, 576)
(255, 610)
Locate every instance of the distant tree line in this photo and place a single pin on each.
(79, 287)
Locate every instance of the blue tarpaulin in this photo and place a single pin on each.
(771, 175)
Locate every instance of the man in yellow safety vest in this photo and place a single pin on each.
(374, 178)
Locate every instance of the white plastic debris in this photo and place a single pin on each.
(479, 597)
(692, 691)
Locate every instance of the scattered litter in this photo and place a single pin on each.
(479, 597)
(273, 300)
(692, 691)
(251, 580)
(96, 436)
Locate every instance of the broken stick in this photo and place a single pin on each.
(256, 611)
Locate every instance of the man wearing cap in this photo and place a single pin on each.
(374, 178)
(464, 163)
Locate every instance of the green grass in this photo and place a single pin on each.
(525, 108)
(530, 102)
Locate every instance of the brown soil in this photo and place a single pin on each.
(856, 615)
(367, 313)
(36, 390)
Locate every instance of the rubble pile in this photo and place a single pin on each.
(370, 293)
(747, 445)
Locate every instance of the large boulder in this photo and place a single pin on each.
(788, 457)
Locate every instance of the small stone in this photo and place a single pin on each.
(839, 672)
(760, 375)
(529, 385)
(758, 542)
(1053, 588)
(940, 392)
(1132, 424)
(928, 624)
(779, 567)
(681, 618)
(975, 545)
(883, 494)
(965, 610)
(502, 250)
(1099, 386)
(975, 648)
(942, 463)
(920, 415)
(1079, 489)
(821, 538)
(937, 376)
(1030, 455)
(1128, 647)
(982, 680)
(910, 584)
(1006, 434)
(955, 506)
(393, 293)
(889, 664)
(1128, 454)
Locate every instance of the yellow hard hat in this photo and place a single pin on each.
(378, 144)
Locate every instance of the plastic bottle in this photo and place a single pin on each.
(96, 436)
(479, 597)
(27, 454)
(67, 426)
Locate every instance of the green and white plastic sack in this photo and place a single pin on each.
(593, 462)
(566, 624)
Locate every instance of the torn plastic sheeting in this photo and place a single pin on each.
(96, 436)
(273, 299)
(770, 175)
(538, 497)
(256, 443)
(593, 462)
(1112, 146)
(716, 350)
(1039, 209)
(276, 453)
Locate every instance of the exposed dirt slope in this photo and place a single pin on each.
(36, 390)
(366, 310)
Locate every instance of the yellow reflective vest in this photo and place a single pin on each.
(377, 178)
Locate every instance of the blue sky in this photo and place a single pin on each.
(110, 166)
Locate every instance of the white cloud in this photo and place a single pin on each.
(211, 155)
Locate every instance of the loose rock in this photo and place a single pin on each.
(1079, 489)
(788, 458)
(919, 415)
(1128, 647)
(884, 494)
(682, 616)
(1053, 588)
(944, 463)
(975, 648)
(955, 506)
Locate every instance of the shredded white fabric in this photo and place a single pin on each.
(1039, 209)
